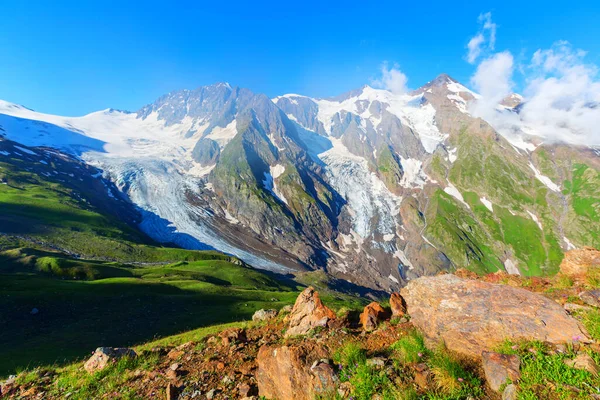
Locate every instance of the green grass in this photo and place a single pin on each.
(85, 304)
(544, 374)
(120, 306)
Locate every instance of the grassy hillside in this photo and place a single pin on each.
(84, 304)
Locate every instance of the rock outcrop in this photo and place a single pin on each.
(308, 313)
(472, 316)
(398, 305)
(294, 373)
(104, 355)
(372, 315)
(577, 262)
(500, 369)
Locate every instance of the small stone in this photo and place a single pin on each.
(175, 354)
(499, 368)
(264, 315)
(422, 375)
(175, 366)
(376, 362)
(584, 362)
(591, 297)
(171, 374)
(246, 390)
(372, 315)
(211, 394)
(103, 355)
(510, 392)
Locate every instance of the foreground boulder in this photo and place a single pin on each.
(398, 305)
(472, 316)
(294, 373)
(372, 315)
(105, 355)
(577, 262)
(308, 313)
(500, 368)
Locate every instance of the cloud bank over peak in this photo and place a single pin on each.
(561, 93)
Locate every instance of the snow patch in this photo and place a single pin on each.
(454, 192)
(570, 246)
(487, 203)
(544, 179)
(413, 175)
(535, 218)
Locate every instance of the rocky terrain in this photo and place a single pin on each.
(443, 337)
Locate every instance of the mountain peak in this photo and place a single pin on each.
(441, 79)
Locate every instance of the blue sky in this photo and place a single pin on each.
(75, 57)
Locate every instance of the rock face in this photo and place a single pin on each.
(308, 313)
(372, 315)
(103, 355)
(264, 315)
(398, 305)
(472, 316)
(499, 368)
(578, 262)
(293, 373)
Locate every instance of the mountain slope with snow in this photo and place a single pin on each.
(374, 187)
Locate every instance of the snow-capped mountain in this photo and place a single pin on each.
(372, 186)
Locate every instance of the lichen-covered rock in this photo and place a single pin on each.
(372, 315)
(264, 315)
(308, 313)
(500, 368)
(473, 316)
(294, 373)
(104, 355)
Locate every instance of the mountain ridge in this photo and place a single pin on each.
(371, 186)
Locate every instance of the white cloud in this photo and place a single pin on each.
(561, 96)
(392, 79)
(486, 37)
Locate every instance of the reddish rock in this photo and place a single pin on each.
(233, 335)
(499, 368)
(372, 315)
(577, 262)
(291, 373)
(398, 305)
(308, 313)
(103, 355)
(175, 354)
(472, 316)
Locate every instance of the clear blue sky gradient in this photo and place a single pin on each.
(75, 57)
